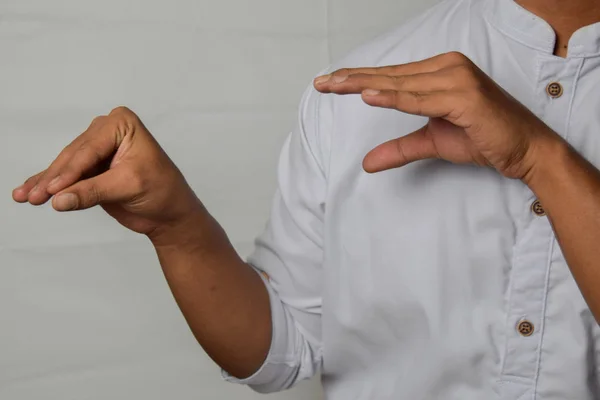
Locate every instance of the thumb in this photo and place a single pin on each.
(109, 187)
(396, 153)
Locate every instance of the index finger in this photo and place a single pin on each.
(85, 152)
(427, 65)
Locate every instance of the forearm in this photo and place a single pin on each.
(568, 187)
(222, 298)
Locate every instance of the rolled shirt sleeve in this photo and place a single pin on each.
(290, 252)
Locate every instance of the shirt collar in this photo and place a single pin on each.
(529, 29)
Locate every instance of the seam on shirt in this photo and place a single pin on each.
(572, 100)
(304, 135)
(585, 55)
(509, 303)
(515, 380)
(543, 316)
(318, 350)
(330, 133)
(524, 394)
(325, 167)
(538, 73)
(281, 358)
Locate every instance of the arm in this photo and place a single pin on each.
(266, 332)
(223, 299)
(568, 187)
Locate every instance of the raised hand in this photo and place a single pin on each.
(117, 164)
(472, 119)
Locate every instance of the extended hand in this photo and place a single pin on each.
(115, 163)
(472, 119)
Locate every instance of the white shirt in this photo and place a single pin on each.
(434, 280)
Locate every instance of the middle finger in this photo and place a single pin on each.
(357, 83)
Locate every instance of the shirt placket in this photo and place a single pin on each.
(531, 258)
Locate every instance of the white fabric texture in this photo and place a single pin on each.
(411, 284)
(85, 312)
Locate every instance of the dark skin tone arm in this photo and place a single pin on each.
(223, 299)
(117, 164)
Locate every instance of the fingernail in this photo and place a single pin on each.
(371, 92)
(65, 202)
(322, 79)
(340, 78)
(34, 189)
(54, 181)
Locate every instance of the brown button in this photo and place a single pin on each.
(525, 328)
(537, 209)
(554, 90)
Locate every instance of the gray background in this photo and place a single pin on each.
(84, 310)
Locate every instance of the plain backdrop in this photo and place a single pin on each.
(85, 312)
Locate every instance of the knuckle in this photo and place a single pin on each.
(398, 80)
(456, 57)
(397, 101)
(353, 78)
(401, 152)
(92, 195)
(466, 76)
(418, 96)
(69, 171)
(33, 179)
(342, 72)
(125, 121)
(121, 110)
(89, 151)
(98, 120)
(358, 79)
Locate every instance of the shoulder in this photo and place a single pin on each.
(447, 26)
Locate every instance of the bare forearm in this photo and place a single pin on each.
(222, 298)
(568, 187)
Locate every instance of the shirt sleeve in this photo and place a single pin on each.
(289, 254)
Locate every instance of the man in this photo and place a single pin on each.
(466, 267)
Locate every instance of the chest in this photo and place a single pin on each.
(456, 256)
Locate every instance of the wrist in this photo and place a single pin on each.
(198, 235)
(548, 156)
(186, 231)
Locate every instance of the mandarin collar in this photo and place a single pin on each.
(529, 29)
